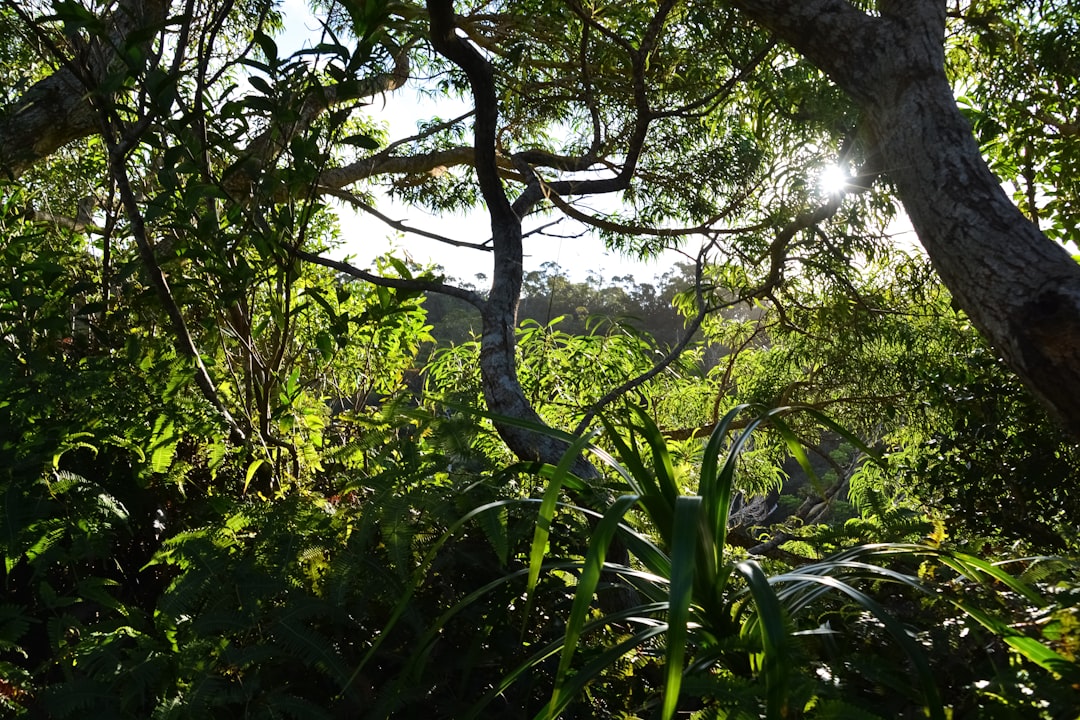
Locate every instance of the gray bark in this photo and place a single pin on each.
(498, 365)
(57, 109)
(1020, 289)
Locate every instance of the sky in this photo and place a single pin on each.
(577, 251)
(366, 237)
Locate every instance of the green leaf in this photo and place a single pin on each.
(260, 84)
(544, 517)
(268, 46)
(592, 569)
(252, 469)
(769, 619)
(363, 140)
(325, 343)
(684, 544)
(163, 442)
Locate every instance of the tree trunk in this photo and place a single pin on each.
(1021, 289)
(57, 109)
(504, 396)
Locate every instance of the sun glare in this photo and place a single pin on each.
(833, 180)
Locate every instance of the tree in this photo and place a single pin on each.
(248, 549)
(695, 114)
(1021, 289)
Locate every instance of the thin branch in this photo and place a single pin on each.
(186, 344)
(468, 296)
(714, 97)
(425, 133)
(79, 224)
(611, 226)
(604, 30)
(732, 357)
(643, 116)
(661, 365)
(398, 225)
(119, 144)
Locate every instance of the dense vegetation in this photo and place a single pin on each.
(790, 478)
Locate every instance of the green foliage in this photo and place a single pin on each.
(1020, 111)
(707, 618)
(223, 492)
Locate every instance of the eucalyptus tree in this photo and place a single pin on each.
(1019, 287)
(703, 120)
(207, 161)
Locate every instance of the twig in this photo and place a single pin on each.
(468, 296)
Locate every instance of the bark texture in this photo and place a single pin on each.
(57, 109)
(1021, 289)
(498, 364)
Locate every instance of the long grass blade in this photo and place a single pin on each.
(914, 653)
(795, 447)
(715, 491)
(592, 670)
(725, 478)
(656, 504)
(774, 639)
(591, 571)
(976, 568)
(661, 458)
(544, 517)
(635, 614)
(1030, 648)
(683, 561)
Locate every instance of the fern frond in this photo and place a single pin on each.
(840, 710)
(281, 703)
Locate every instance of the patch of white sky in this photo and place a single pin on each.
(578, 251)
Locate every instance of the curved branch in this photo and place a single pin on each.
(664, 362)
(778, 247)
(355, 201)
(643, 116)
(186, 344)
(445, 40)
(711, 100)
(777, 256)
(611, 226)
(468, 296)
(644, 377)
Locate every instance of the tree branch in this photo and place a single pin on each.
(445, 40)
(186, 344)
(468, 296)
(355, 201)
(56, 109)
(315, 102)
(611, 226)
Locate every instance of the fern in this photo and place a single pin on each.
(840, 710)
(80, 696)
(280, 703)
(14, 622)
